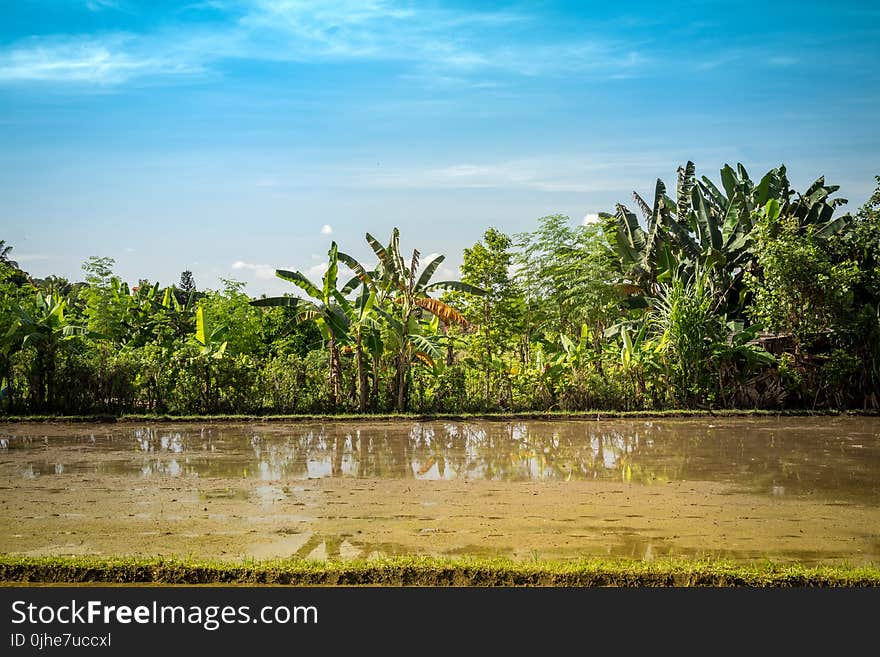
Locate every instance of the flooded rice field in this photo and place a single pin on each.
(803, 490)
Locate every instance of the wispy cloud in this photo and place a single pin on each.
(109, 60)
(30, 257)
(756, 55)
(101, 5)
(326, 229)
(427, 41)
(548, 173)
(432, 39)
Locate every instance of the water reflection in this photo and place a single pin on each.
(833, 457)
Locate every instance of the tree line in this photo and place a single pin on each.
(740, 294)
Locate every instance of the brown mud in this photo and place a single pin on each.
(93, 505)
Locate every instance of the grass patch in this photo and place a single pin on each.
(524, 415)
(430, 571)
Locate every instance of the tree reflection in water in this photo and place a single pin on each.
(836, 458)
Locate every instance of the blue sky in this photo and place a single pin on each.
(233, 137)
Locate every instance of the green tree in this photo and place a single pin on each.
(211, 338)
(244, 322)
(565, 272)
(860, 329)
(13, 273)
(5, 255)
(498, 314)
(45, 326)
(409, 290)
(689, 330)
(365, 333)
(709, 229)
(107, 300)
(187, 283)
(804, 294)
(325, 311)
(10, 342)
(799, 288)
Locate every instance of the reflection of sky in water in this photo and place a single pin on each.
(776, 458)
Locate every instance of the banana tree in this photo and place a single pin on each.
(142, 316)
(408, 290)
(364, 332)
(325, 311)
(9, 344)
(211, 339)
(708, 229)
(648, 257)
(44, 327)
(174, 316)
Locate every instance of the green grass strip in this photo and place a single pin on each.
(524, 415)
(430, 571)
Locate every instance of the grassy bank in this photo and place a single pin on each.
(527, 415)
(427, 571)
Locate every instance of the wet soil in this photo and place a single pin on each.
(74, 490)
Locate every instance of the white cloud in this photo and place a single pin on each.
(316, 271)
(590, 218)
(129, 249)
(447, 274)
(263, 272)
(266, 275)
(326, 229)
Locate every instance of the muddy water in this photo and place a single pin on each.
(791, 489)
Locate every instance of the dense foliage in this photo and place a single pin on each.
(743, 295)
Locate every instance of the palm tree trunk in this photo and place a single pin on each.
(6, 375)
(374, 392)
(50, 380)
(488, 349)
(335, 373)
(402, 362)
(362, 378)
(207, 404)
(403, 359)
